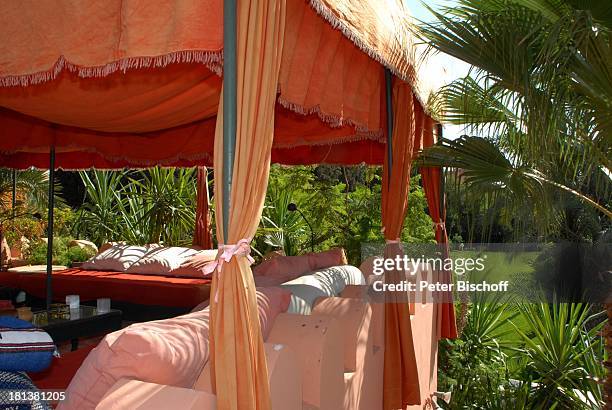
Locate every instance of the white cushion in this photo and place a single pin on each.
(331, 281)
(162, 261)
(117, 258)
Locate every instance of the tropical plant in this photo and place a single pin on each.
(564, 350)
(165, 197)
(98, 217)
(150, 206)
(342, 204)
(541, 92)
(32, 190)
(474, 367)
(532, 356)
(281, 228)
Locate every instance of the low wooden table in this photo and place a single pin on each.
(83, 322)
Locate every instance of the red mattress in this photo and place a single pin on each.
(124, 287)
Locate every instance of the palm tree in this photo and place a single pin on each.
(539, 93)
(32, 189)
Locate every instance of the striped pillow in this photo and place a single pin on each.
(23, 347)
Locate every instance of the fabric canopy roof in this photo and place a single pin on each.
(135, 83)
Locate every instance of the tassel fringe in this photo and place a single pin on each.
(213, 60)
(334, 121)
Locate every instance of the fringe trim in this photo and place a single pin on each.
(330, 143)
(410, 77)
(134, 164)
(334, 121)
(211, 59)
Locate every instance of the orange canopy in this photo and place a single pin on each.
(135, 83)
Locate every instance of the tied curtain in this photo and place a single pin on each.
(447, 325)
(400, 380)
(237, 350)
(202, 235)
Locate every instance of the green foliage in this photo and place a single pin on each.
(341, 203)
(32, 190)
(63, 221)
(474, 367)
(533, 356)
(563, 355)
(29, 227)
(540, 94)
(151, 206)
(62, 253)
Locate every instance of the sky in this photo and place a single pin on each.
(442, 67)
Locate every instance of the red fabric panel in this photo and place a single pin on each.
(323, 72)
(186, 145)
(62, 369)
(202, 236)
(431, 185)
(124, 287)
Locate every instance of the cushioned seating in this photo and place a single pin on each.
(331, 281)
(124, 287)
(139, 395)
(284, 373)
(174, 352)
(318, 343)
(363, 361)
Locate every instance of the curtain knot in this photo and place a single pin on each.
(439, 225)
(225, 254)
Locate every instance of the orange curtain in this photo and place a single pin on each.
(202, 236)
(447, 325)
(401, 382)
(237, 350)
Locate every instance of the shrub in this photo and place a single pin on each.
(62, 253)
(29, 227)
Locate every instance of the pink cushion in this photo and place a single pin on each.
(326, 259)
(193, 267)
(174, 261)
(290, 267)
(282, 269)
(170, 352)
(270, 303)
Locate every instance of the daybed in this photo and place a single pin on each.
(161, 296)
(124, 287)
(331, 357)
(325, 359)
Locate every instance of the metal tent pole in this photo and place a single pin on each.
(14, 201)
(50, 226)
(230, 92)
(389, 98)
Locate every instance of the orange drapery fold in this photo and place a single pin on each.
(401, 382)
(202, 235)
(237, 349)
(447, 325)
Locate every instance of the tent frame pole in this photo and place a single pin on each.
(50, 227)
(389, 99)
(230, 93)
